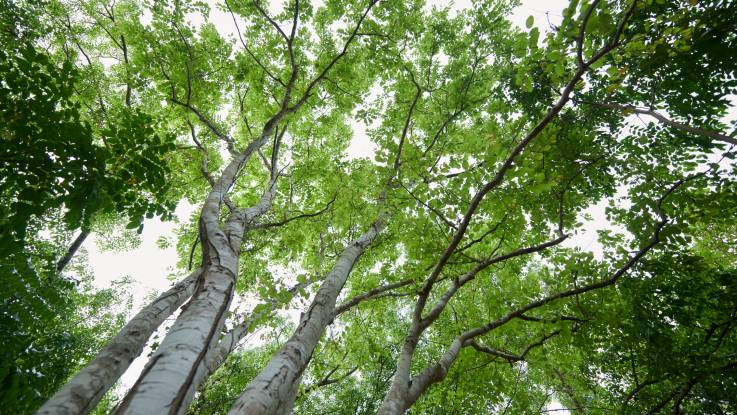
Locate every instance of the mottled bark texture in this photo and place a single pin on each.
(274, 390)
(217, 355)
(167, 383)
(89, 385)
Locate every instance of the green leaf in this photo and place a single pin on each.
(529, 22)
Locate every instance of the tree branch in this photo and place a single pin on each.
(335, 59)
(427, 205)
(64, 261)
(327, 380)
(378, 292)
(248, 50)
(509, 356)
(654, 240)
(301, 216)
(582, 32)
(509, 162)
(714, 135)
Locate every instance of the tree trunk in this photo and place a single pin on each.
(403, 394)
(217, 355)
(395, 399)
(89, 385)
(274, 390)
(167, 383)
(64, 261)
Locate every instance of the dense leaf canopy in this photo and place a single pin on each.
(541, 216)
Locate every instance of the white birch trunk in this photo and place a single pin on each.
(167, 383)
(164, 386)
(82, 393)
(230, 340)
(405, 390)
(394, 400)
(274, 389)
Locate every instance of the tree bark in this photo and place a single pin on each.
(402, 395)
(89, 385)
(217, 355)
(164, 387)
(167, 383)
(274, 389)
(395, 401)
(64, 261)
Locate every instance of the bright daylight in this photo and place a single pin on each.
(313, 207)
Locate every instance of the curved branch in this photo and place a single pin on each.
(509, 161)
(714, 135)
(335, 59)
(378, 292)
(509, 356)
(327, 380)
(248, 50)
(301, 216)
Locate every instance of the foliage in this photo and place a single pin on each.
(493, 144)
(54, 161)
(52, 325)
(49, 159)
(57, 155)
(224, 386)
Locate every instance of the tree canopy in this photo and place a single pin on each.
(454, 266)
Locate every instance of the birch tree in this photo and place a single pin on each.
(450, 269)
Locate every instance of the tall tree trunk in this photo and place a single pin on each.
(274, 390)
(64, 261)
(164, 387)
(87, 387)
(167, 383)
(395, 400)
(217, 355)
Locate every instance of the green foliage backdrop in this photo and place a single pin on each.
(493, 143)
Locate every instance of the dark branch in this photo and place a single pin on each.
(430, 208)
(327, 380)
(654, 240)
(64, 261)
(509, 356)
(335, 59)
(301, 216)
(248, 50)
(582, 32)
(378, 292)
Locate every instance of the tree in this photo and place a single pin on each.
(443, 267)
(54, 325)
(60, 156)
(54, 179)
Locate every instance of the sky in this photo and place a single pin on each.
(150, 267)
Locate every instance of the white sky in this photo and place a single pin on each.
(149, 266)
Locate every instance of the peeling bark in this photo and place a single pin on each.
(165, 384)
(217, 355)
(89, 385)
